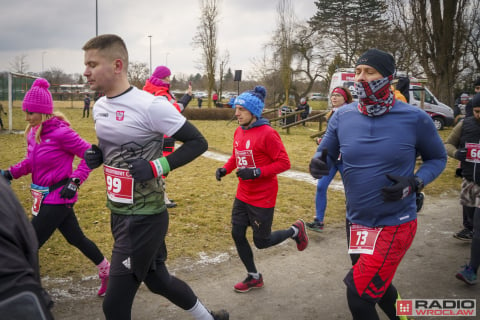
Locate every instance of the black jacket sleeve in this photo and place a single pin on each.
(185, 100)
(194, 144)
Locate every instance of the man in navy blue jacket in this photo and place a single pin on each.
(378, 138)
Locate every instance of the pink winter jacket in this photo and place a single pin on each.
(51, 161)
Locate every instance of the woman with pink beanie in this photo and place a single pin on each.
(51, 148)
(159, 85)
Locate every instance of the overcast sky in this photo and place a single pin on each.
(51, 32)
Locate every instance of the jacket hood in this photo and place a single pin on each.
(53, 124)
(258, 123)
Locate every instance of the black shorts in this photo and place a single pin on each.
(260, 219)
(139, 243)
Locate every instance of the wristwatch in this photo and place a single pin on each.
(76, 181)
(419, 184)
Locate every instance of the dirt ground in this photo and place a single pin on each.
(298, 285)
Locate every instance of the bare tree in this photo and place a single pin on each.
(283, 44)
(57, 76)
(437, 32)
(138, 73)
(473, 48)
(224, 60)
(19, 64)
(311, 60)
(206, 39)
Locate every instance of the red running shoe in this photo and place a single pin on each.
(249, 283)
(302, 238)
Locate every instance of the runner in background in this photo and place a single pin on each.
(51, 149)
(258, 157)
(159, 85)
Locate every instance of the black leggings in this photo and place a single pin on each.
(63, 217)
(362, 309)
(117, 304)
(245, 251)
(475, 246)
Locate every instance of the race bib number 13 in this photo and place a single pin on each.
(119, 184)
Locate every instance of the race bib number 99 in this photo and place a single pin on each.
(473, 152)
(119, 184)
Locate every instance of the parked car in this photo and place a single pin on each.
(201, 94)
(315, 96)
(442, 115)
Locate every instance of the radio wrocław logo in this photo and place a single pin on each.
(437, 307)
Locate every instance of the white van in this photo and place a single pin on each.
(442, 115)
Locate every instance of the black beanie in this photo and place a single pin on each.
(477, 82)
(476, 101)
(382, 61)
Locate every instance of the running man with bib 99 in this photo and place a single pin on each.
(130, 125)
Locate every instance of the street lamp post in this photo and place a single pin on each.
(96, 17)
(43, 53)
(150, 53)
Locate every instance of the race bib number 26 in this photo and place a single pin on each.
(119, 184)
(245, 159)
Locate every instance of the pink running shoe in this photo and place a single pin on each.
(103, 286)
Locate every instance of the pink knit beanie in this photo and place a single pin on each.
(38, 98)
(161, 72)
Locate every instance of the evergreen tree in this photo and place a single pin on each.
(352, 25)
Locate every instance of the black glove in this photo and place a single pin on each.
(248, 173)
(93, 157)
(402, 187)
(461, 154)
(70, 189)
(221, 172)
(6, 174)
(318, 166)
(140, 169)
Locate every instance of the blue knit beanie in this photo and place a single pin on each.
(252, 100)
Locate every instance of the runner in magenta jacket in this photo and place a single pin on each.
(51, 148)
(51, 161)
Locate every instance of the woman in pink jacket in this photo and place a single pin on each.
(52, 147)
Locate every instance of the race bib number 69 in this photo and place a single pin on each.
(119, 184)
(473, 152)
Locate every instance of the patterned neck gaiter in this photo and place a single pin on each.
(375, 97)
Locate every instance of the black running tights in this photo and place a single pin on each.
(63, 217)
(117, 304)
(244, 249)
(362, 309)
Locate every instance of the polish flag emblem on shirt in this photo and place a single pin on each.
(120, 115)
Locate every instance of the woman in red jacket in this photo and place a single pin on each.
(159, 85)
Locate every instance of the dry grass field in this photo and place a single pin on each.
(201, 221)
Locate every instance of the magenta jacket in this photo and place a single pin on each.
(51, 161)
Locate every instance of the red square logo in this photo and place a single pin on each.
(120, 115)
(404, 308)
